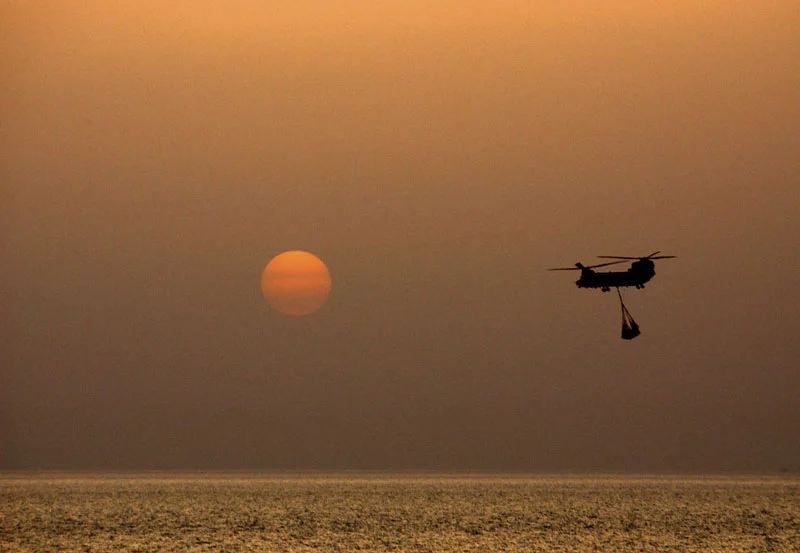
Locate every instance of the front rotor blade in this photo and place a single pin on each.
(663, 257)
(652, 254)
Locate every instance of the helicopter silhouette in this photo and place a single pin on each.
(640, 272)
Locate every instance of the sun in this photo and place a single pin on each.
(296, 283)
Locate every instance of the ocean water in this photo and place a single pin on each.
(382, 512)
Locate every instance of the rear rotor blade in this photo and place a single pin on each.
(606, 264)
(653, 255)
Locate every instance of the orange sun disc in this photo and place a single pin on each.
(296, 283)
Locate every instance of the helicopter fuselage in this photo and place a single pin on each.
(639, 273)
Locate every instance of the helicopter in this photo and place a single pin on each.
(640, 272)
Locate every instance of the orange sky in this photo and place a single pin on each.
(438, 156)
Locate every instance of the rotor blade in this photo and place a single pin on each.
(606, 264)
(651, 256)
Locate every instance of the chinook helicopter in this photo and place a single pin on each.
(641, 271)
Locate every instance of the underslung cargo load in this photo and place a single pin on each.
(630, 329)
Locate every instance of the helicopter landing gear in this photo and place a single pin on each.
(640, 286)
(605, 289)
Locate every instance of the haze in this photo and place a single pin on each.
(438, 156)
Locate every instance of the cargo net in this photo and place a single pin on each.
(630, 329)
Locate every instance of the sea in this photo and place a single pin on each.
(416, 512)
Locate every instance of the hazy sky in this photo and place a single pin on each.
(438, 156)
